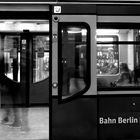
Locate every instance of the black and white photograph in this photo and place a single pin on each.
(69, 69)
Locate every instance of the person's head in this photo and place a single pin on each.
(137, 75)
(124, 67)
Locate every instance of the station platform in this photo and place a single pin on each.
(38, 124)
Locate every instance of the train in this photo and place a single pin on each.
(92, 99)
(81, 59)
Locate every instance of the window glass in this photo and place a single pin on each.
(118, 59)
(73, 59)
(40, 58)
(11, 50)
(107, 55)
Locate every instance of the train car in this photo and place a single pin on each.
(25, 49)
(95, 70)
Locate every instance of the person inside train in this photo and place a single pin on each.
(137, 75)
(125, 77)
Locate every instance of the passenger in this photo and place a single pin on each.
(9, 95)
(125, 76)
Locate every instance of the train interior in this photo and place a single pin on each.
(116, 47)
(10, 45)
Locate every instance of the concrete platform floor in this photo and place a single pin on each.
(38, 122)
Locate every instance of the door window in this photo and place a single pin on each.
(40, 58)
(74, 58)
(10, 47)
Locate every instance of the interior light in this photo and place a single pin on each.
(8, 22)
(74, 32)
(84, 32)
(20, 25)
(47, 38)
(104, 45)
(104, 39)
(107, 31)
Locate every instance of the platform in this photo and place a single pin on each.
(38, 122)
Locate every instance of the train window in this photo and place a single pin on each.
(118, 59)
(73, 58)
(20, 25)
(40, 58)
(10, 46)
(107, 55)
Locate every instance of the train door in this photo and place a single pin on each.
(35, 54)
(35, 65)
(25, 58)
(73, 85)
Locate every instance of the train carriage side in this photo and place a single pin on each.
(118, 66)
(95, 66)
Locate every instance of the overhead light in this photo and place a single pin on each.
(104, 45)
(76, 31)
(9, 22)
(107, 31)
(84, 32)
(20, 25)
(104, 39)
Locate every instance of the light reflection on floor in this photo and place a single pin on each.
(38, 120)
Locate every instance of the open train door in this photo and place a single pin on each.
(74, 103)
(24, 50)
